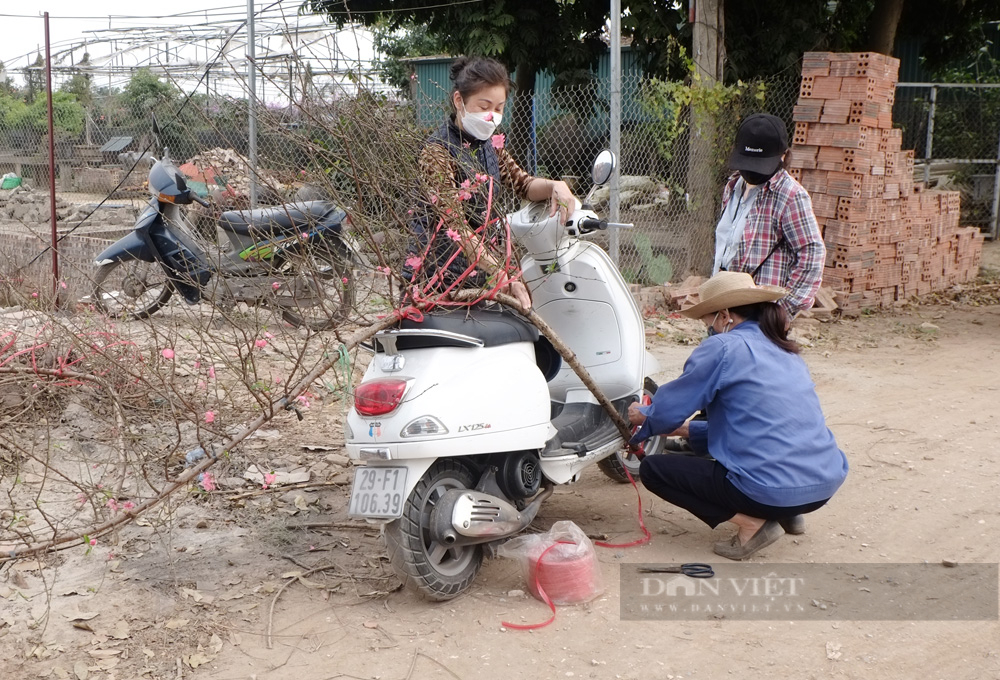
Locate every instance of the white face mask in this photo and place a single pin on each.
(476, 124)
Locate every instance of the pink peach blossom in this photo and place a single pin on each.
(168, 353)
(209, 416)
(207, 481)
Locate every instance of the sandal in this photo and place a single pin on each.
(765, 536)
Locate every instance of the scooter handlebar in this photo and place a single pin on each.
(200, 201)
(588, 224)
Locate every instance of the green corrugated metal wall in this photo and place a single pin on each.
(433, 83)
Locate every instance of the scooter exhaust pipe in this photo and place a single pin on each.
(466, 517)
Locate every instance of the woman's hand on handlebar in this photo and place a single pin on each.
(561, 200)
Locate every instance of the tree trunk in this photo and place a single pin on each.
(708, 39)
(520, 128)
(883, 24)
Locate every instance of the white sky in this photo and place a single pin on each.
(71, 22)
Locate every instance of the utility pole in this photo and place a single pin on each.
(708, 42)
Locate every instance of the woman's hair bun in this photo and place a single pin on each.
(457, 67)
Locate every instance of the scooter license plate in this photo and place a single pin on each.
(377, 492)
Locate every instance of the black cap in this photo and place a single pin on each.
(760, 142)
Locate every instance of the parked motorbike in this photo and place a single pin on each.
(465, 420)
(297, 258)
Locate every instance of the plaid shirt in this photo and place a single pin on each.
(783, 212)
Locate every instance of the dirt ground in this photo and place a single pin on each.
(911, 396)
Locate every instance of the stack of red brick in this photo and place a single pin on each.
(887, 237)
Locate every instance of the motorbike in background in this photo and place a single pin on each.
(297, 258)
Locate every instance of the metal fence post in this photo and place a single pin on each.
(929, 143)
(52, 166)
(616, 125)
(995, 227)
(252, 103)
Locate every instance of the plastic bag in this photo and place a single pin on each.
(561, 562)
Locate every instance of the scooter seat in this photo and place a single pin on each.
(494, 326)
(281, 219)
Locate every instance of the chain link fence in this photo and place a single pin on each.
(954, 130)
(361, 151)
(673, 157)
(675, 144)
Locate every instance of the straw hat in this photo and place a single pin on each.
(731, 289)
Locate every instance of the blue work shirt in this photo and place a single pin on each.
(765, 424)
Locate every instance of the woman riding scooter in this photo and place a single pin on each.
(467, 175)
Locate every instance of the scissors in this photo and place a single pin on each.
(692, 569)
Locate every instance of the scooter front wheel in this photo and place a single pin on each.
(437, 571)
(134, 289)
(615, 465)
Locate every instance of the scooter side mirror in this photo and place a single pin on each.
(604, 167)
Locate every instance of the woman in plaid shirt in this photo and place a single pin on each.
(767, 228)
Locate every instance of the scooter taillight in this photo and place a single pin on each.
(378, 397)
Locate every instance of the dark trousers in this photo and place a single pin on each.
(700, 487)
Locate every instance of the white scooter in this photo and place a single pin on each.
(466, 419)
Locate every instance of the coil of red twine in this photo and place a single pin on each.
(562, 574)
(573, 578)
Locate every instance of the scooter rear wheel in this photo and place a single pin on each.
(135, 289)
(328, 274)
(615, 465)
(437, 571)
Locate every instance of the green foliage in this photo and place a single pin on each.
(6, 84)
(12, 108)
(656, 270)
(412, 40)
(527, 35)
(145, 93)
(667, 101)
(67, 113)
(81, 87)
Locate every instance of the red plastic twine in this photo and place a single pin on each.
(575, 580)
(647, 537)
(541, 593)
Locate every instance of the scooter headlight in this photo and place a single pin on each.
(424, 426)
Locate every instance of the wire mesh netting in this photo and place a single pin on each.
(954, 131)
(360, 150)
(672, 165)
